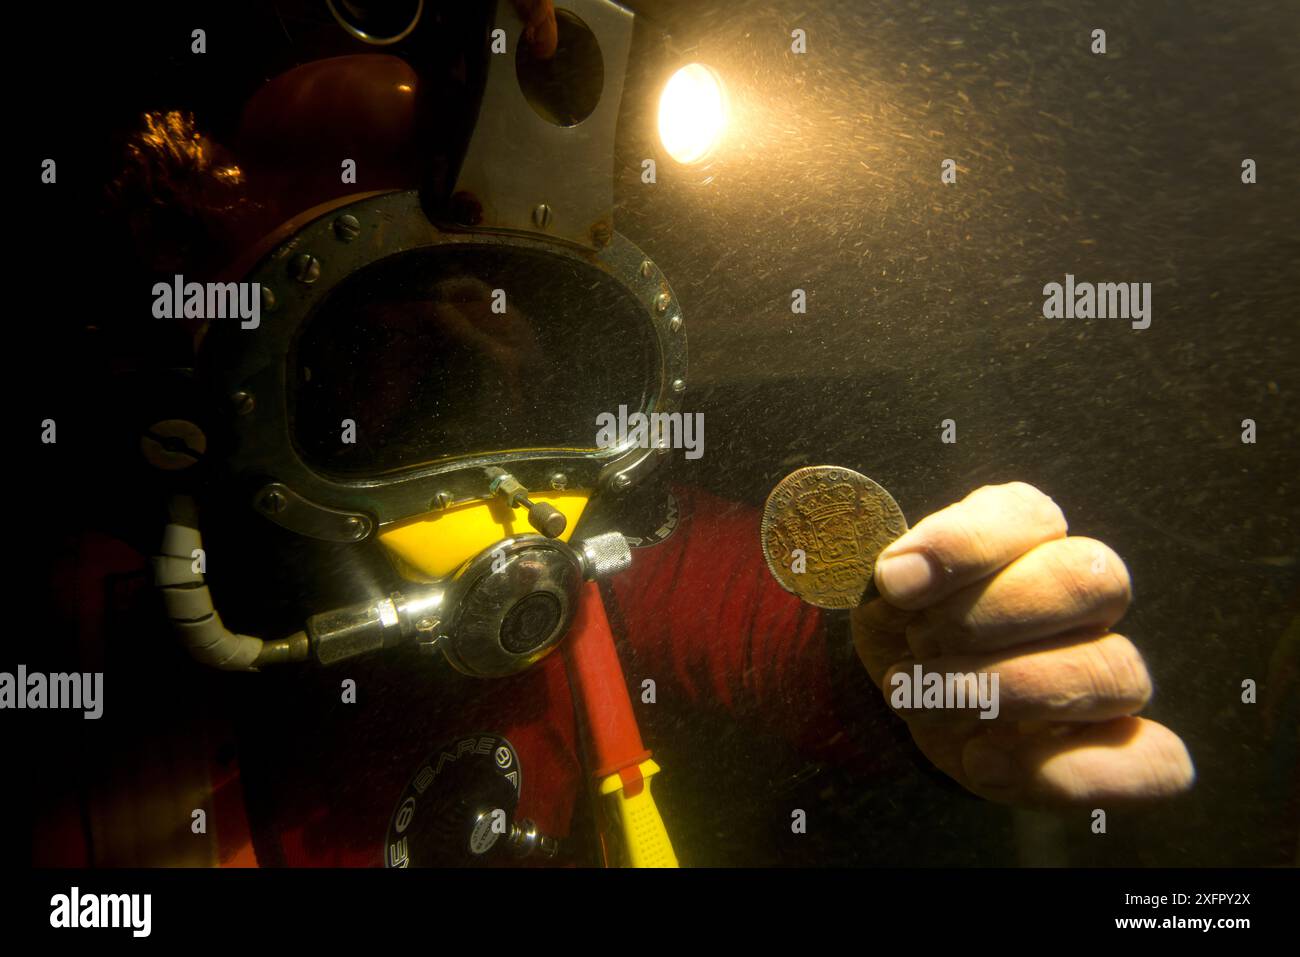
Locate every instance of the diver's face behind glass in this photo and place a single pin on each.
(459, 352)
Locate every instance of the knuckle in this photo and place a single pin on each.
(1117, 673)
(1027, 493)
(1031, 678)
(1169, 765)
(1043, 511)
(1067, 781)
(1027, 502)
(1159, 767)
(954, 543)
(1090, 574)
(1103, 562)
(1064, 564)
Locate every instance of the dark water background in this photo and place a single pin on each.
(925, 304)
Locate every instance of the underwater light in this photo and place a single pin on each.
(692, 113)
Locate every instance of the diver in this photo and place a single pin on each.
(993, 584)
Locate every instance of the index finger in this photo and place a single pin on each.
(965, 542)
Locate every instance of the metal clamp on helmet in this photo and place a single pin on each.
(501, 612)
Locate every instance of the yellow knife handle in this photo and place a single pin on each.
(645, 839)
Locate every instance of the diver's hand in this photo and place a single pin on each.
(994, 585)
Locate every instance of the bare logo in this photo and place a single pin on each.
(213, 300)
(103, 910)
(1103, 300)
(78, 692)
(486, 751)
(917, 690)
(659, 430)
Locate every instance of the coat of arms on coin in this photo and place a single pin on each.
(823, 527)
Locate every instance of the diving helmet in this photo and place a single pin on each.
(426, 375)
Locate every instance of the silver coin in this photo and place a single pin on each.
(823, 527)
